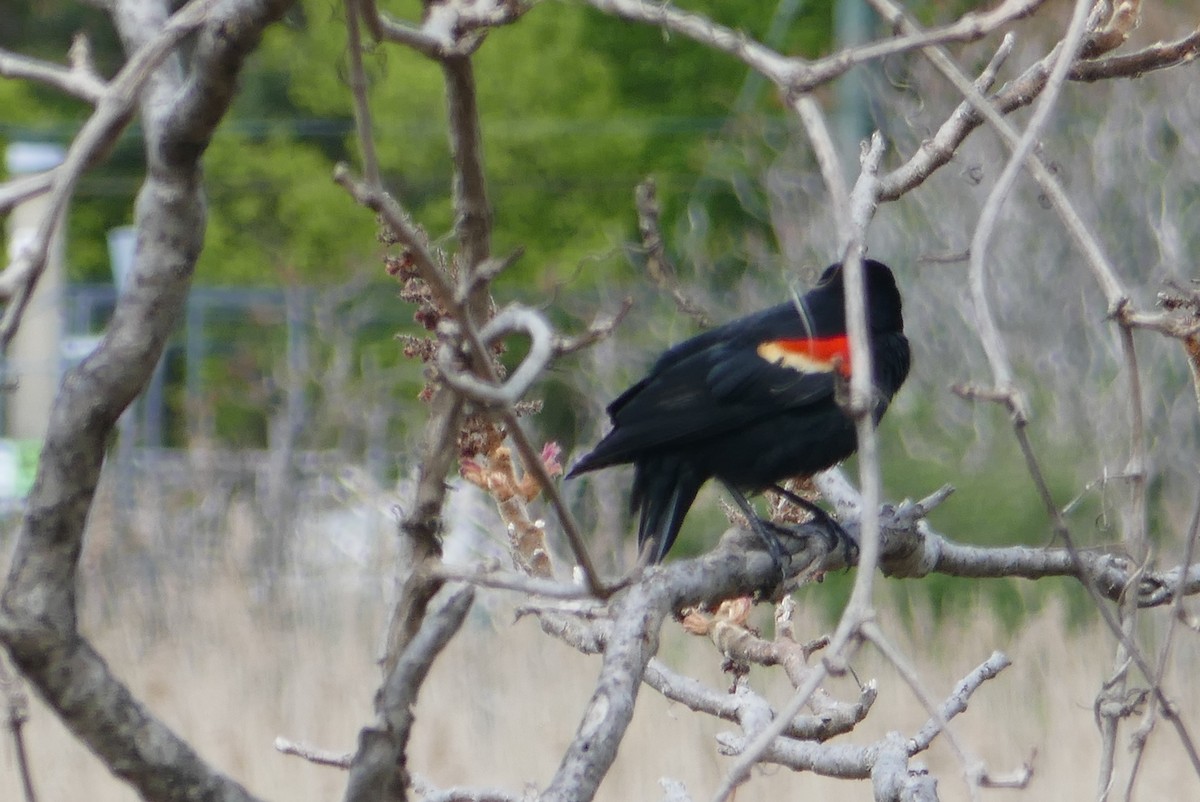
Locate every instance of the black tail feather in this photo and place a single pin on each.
(664, 490)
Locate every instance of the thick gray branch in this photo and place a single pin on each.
(633, 640)
(19, 190)
(378, 771)
(37, 609)
(113, 111)
(638, 612)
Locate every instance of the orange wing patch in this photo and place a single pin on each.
(818, 355)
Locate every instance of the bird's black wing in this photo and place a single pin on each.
(707, 391)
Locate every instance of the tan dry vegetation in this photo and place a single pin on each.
(232, 670)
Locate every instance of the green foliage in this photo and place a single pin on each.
(575, 107)
(277, 214)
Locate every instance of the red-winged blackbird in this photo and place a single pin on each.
(749, 403)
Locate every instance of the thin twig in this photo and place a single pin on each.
(407, 233)
(1142, 736)
(320, 757)
(940, 720)
(957, 702)
(79, 80)
(846, 637)
(658, 265)
(863, 202)
(510, 580)
(358, 91)
(113, 112)
(813, 119)
(512, 319)
(601, 328)
(985, 322)
(17, 708)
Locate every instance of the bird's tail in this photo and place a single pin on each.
(664, 490)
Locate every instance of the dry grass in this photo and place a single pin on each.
(231, 670)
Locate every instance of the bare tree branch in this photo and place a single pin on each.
(508, 580)
(430, 793)
(37, 609)
(472, 208)
(795, 75)
(938, 150)
(972, 766)
(512, 319)
(1117, 298)
(113, 111)
(602, 327)
(16, 708)
(1016, 94)
(957, 701)
(358, 91)
(1134, 65)
(658, 265)
(14, 192)
(696, 696)
(989, 333)
(379, 769)
(1142, 735)
(79, 79)
(1105, 275)
(862, 205)
(321, 757)
(813, 119)
(450, 30)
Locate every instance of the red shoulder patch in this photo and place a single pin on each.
(809, 355)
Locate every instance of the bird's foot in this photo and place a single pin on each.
(768, 532)
(835, 534)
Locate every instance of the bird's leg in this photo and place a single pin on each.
(780, 558)
(836, 531)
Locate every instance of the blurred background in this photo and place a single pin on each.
(254, 485)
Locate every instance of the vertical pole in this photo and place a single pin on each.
(853, 23)
(34, 359)
(193, 357)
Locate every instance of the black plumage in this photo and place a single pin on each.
(749, 403)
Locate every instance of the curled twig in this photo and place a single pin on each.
(510, 320)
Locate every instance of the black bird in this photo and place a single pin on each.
(749, 403)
